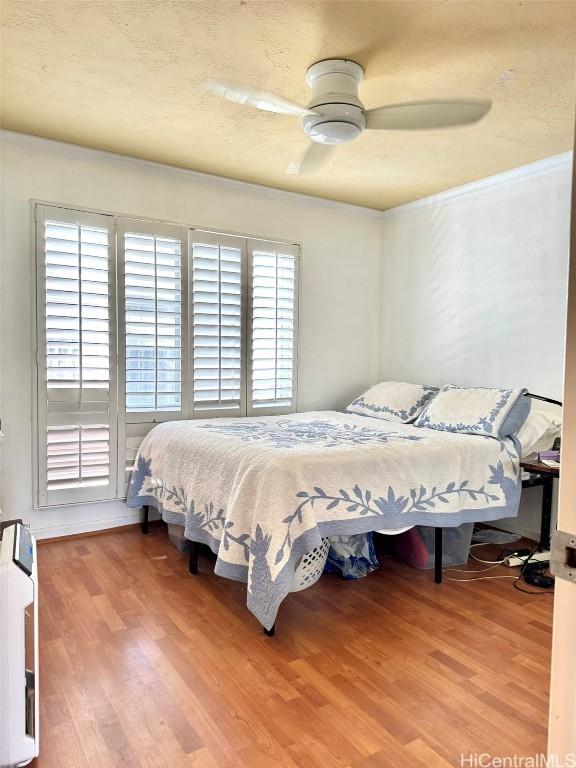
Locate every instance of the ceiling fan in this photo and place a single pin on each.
(335, 114)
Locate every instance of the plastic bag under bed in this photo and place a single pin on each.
(352, 557)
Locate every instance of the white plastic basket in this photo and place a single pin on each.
(310, 567)
(308, 570)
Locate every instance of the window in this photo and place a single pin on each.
(218, 324)
(152, 309)
(273, 323)
(153, 293)
(76, 357)
(200, 324)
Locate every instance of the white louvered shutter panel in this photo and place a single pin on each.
(218, 324)
(76, 357)
(273, 305)
(152, 329)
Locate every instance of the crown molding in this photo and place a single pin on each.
(538, 168)
(135, 164)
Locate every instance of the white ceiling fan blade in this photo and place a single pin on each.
(426, 115)
(312, 159)
(255, 97)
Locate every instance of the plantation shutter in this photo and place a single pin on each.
(218, 324)
(272, 360)
(152, 329)
(178, 323)
(76, 359)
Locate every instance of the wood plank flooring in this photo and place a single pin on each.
(145, 665)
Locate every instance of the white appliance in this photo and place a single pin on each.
(19, 710)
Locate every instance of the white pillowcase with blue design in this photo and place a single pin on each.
(393, 401)
(484, 411)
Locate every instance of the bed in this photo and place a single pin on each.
(263, 491)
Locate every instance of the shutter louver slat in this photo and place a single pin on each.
(78, 456)
(153, 322)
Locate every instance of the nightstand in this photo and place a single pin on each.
(542, 474)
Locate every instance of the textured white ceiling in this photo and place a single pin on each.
(125, 76)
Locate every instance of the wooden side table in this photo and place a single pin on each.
(542, 474)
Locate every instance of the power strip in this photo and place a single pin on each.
(537, 557)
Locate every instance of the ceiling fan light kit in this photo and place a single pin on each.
(335, 114)
(339, 114)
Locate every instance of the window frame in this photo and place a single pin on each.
(233, 241)
(42, 496)
(161, 229)
(118, 426)
(291, 250)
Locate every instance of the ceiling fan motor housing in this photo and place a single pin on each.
(340, 117)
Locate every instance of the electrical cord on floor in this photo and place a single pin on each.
(535, 571)
(474, 570)
(481, 578)
(502, 556)
(493, 564)
(487, 562)
(535, 574)
(547, 593)
(477, 570)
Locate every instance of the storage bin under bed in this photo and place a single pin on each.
(455, 545)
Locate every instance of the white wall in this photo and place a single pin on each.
(467, 286)
(474, 287)
(339, 299)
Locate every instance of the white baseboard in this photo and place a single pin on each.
(74, 527)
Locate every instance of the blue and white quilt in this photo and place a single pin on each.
(263, 491)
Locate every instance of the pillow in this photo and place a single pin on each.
(541, 428)
(393, 401)
(476, 411)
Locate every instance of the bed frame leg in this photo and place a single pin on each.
(270, 632)
(438, 555)
(193, 564)
(145, 520)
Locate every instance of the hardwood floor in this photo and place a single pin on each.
(145, 665)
